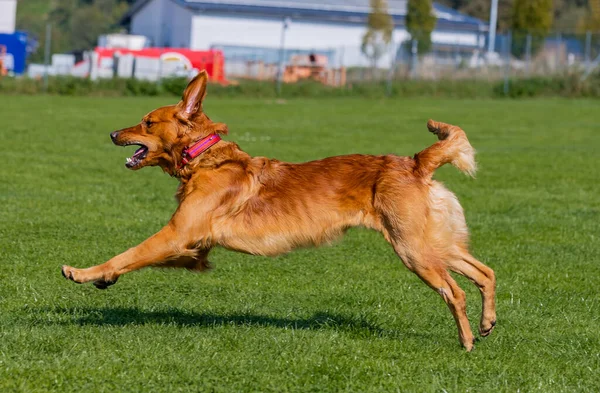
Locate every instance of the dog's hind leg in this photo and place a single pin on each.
(484, 278)
(448, 231)
(432, 271)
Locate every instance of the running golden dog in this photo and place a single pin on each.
(267, 207)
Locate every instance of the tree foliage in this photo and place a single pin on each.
(530, 18)
(76, 24)
(420, 22)
(82, 21)
(481, 9)
(380, 27)
(567, 13)
(591, 21)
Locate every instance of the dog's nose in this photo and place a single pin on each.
(114, 135)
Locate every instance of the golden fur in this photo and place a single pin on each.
(262, 206)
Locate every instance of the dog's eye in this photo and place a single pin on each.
(149, 123)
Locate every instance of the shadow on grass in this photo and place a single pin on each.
(129, 316)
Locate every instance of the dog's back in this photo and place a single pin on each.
(282, 206)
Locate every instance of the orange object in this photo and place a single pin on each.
(3, 70)
(212, 61)
(313, 67)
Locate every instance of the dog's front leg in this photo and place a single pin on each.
(197, 263)
(164, 246)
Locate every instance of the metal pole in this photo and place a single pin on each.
(457, 58)
(507, 46)
(414, 58)
(115, 67)
(160, 67)
(435, 63)
(558, 39)
(400, 58)
(527, 54)
(133, 64)
(493, 23)
(282, 55)
(88, 55)
(588, 51)
(47, 54)
(594, 64)
(392, 70)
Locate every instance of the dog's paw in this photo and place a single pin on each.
(199, 266)
(103, 284)
(70, 273)
(486, 328)
(469, 344)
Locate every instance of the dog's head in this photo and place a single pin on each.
(164, 133)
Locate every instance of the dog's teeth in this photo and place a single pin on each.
(127, 159)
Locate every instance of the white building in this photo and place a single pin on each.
(8, 13)
(241, 27)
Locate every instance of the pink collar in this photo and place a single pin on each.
(191, 152)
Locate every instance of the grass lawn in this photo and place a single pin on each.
(349, 317)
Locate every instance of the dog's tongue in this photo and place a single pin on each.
(139, 152)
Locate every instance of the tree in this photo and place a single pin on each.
(86, 25)
(533, 16)
(420, 22)
(530, 17)
(591, 22)
(89, 22)
(76, 24)
(567, 13)
(380, 27)
(61, 13)
(481, 9)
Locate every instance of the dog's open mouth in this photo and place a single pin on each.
(137, 157)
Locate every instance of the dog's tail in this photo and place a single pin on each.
(453, 147)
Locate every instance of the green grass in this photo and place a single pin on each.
(349, 317)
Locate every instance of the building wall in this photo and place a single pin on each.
(149, 21)
(182, 18)
(213, 30)
(457, 37)
(8, 13)
(166, 23)
(171, 25)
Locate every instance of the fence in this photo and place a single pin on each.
(515, 54)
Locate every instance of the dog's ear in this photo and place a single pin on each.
(219, 128)
(194, 93)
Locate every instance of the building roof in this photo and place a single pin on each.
(341, 11)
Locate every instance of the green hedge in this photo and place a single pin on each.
(71, 86)
(568, 85)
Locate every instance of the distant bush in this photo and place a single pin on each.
(568, 85)
(174, 86)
